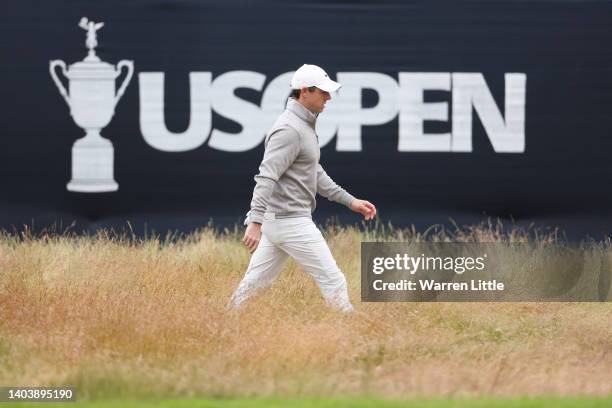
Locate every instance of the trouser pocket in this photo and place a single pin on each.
(269, 229)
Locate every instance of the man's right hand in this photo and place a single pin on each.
(252, 235)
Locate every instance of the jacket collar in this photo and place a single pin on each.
(301, 112)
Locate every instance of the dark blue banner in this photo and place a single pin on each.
(156, 111)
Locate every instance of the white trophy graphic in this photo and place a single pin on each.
(92, 100)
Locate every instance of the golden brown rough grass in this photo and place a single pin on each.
(119, 318)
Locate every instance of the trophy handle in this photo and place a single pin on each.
(126, 81)
(52, 67)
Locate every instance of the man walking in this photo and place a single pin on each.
(279, 223)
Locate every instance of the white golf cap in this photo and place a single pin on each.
(311, 75)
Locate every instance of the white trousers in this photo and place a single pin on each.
(301, 239)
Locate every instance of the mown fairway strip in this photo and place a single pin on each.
(338, 403)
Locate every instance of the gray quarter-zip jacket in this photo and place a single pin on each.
(290, 175)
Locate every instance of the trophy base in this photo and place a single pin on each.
(92, 186)
(92, 165)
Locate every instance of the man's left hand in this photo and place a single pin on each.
(363, 207)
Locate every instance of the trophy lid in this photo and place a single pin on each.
(91, 67)
(92, 70)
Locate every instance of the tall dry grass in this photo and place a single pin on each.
(120, 317)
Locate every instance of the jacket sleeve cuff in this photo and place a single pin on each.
(346, 199)
(254, 216)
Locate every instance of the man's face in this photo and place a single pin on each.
(314, 100)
